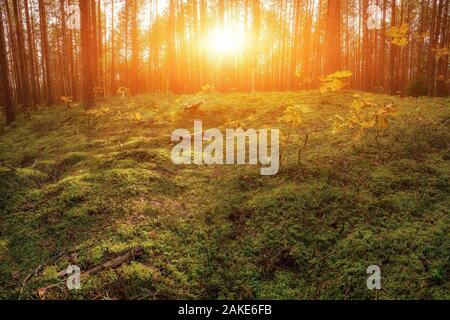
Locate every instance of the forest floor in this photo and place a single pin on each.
(73, 192)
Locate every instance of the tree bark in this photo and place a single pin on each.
(333, 37)
(5, 92)
(86, 53)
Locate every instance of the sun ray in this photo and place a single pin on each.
(225, 40)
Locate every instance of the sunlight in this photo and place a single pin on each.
(226, 40)
(146, 14)
(259, 150)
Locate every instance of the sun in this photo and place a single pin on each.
(226, 40)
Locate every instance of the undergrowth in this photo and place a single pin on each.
(69, 196)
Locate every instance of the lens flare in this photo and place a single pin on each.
(226, 40)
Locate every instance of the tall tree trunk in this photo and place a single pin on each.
(31, 57)
(94, 42)
(441, 90)
(172, 63)
(65, 50)
(333, 37)
(113, 50)
(100, 76)
(195, 49)
(256, 27)
(46, 54)
(204, 74)
(126, 81)
(434, 34)
(366, 60)
(23, 66)
(382, 56)
(5, 89)
(86, 53)
(392, 62)
(294, 67)
(134, 50)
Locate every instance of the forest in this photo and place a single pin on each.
(92, 91)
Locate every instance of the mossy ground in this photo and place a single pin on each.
(225, 231)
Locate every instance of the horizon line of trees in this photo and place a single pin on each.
(159, 46)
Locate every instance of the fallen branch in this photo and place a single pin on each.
(194, 107)
(35, 163)
(7, 166)
(37, 271)
(110, 264)
(116, 262)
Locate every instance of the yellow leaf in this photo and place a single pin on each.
(343, 74)
(334, 82)
(138, 116)
(399, 34)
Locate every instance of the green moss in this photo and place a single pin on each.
(225, 231)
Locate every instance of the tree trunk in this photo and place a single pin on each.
(333, 37)
(31, 57)
(86, 53)
(46, 54)
(5, 92)
(134, 50)
(172, 63)
(23, 66)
